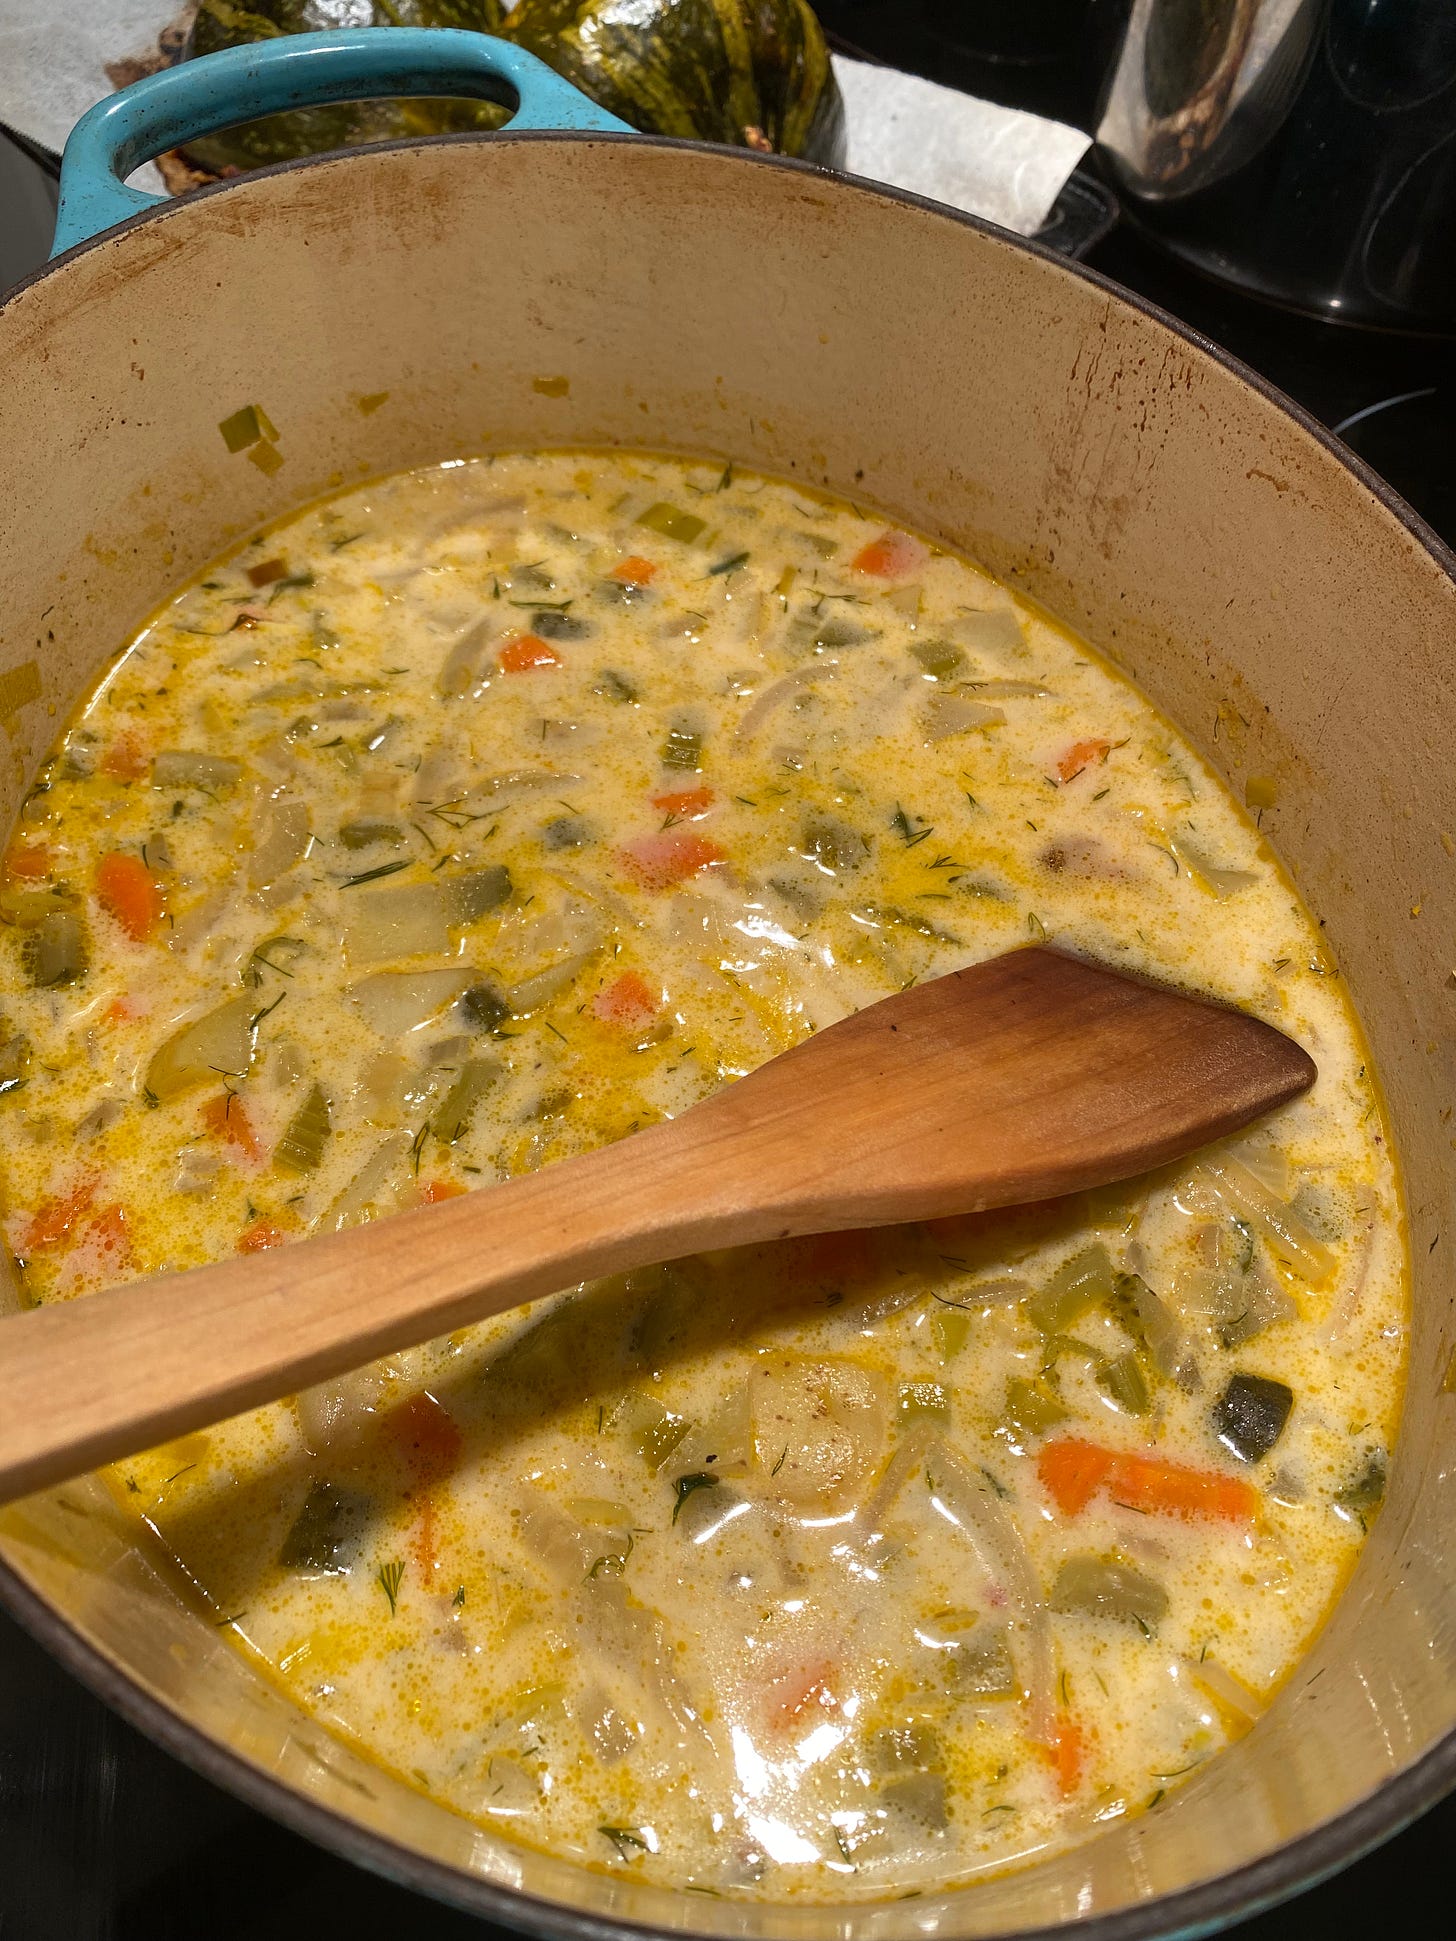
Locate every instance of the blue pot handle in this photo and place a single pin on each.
(297, 70)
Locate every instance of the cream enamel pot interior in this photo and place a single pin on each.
(593, 289)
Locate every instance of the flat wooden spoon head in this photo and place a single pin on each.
(1022, 1078)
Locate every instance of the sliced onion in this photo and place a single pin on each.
(206, 1050)
(460, 666)
(778, 692)
(532, 992)
(284, 844)
(407, 920)
(398, 1001)
(335, 1416)
(819, 1428)
(1274, 1218)
(370, 1194)
(954, 714)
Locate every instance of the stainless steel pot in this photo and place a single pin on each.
(536, 289)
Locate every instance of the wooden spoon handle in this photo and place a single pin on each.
(86, 1382)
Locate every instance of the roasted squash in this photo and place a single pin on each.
(310, 131)
(752, 73)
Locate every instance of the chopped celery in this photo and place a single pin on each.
(672, 522)
(1077, 1285)
(1031, 1408)
(682, 750)
(54, 951)
(301, 1148)
(940, 658)
(182, 768)
(1250, 1415)
(951, 1326)
(1096, 1588)
(1127, 1385)
(923, 1401)
(452, 1120)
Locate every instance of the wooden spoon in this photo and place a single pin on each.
(1031, 1075)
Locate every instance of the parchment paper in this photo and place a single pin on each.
(992, 161)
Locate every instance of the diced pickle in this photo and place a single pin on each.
(483, 1008)
(457, 1109)
(301, 1148)
(672, 522)
(369, 830)
(940, 658)
(476, 894)
(653, 1431)
(1250, 1415)
(327, 1533)
(1365, 1490)
(1097, 1588)
(55, 952)
(832, 844)
(1077, 1285)
(15, 1057)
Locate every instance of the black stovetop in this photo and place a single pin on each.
(105, 1838)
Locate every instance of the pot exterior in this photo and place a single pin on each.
(545, 291)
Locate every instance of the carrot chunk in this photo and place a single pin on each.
(125, 760)
(261, 1235)
(125, 889)
(524, 652)
(54, 1218)
(1067, 1751)
(893, 556)
(689, 802)
(1082, 754)
(671, 856)
(427, 1436)
(627, 1002)
(29, 861)
(1072, 1472)
(226, 1117)
(441, 1189)
(633, 571)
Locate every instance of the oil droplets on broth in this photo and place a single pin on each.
(489, 812)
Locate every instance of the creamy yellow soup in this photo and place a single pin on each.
(489, 812)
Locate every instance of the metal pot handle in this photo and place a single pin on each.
(297, 70)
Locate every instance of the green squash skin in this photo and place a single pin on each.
(312, 131)
(703, 70)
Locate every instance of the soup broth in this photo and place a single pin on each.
(489, 812)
